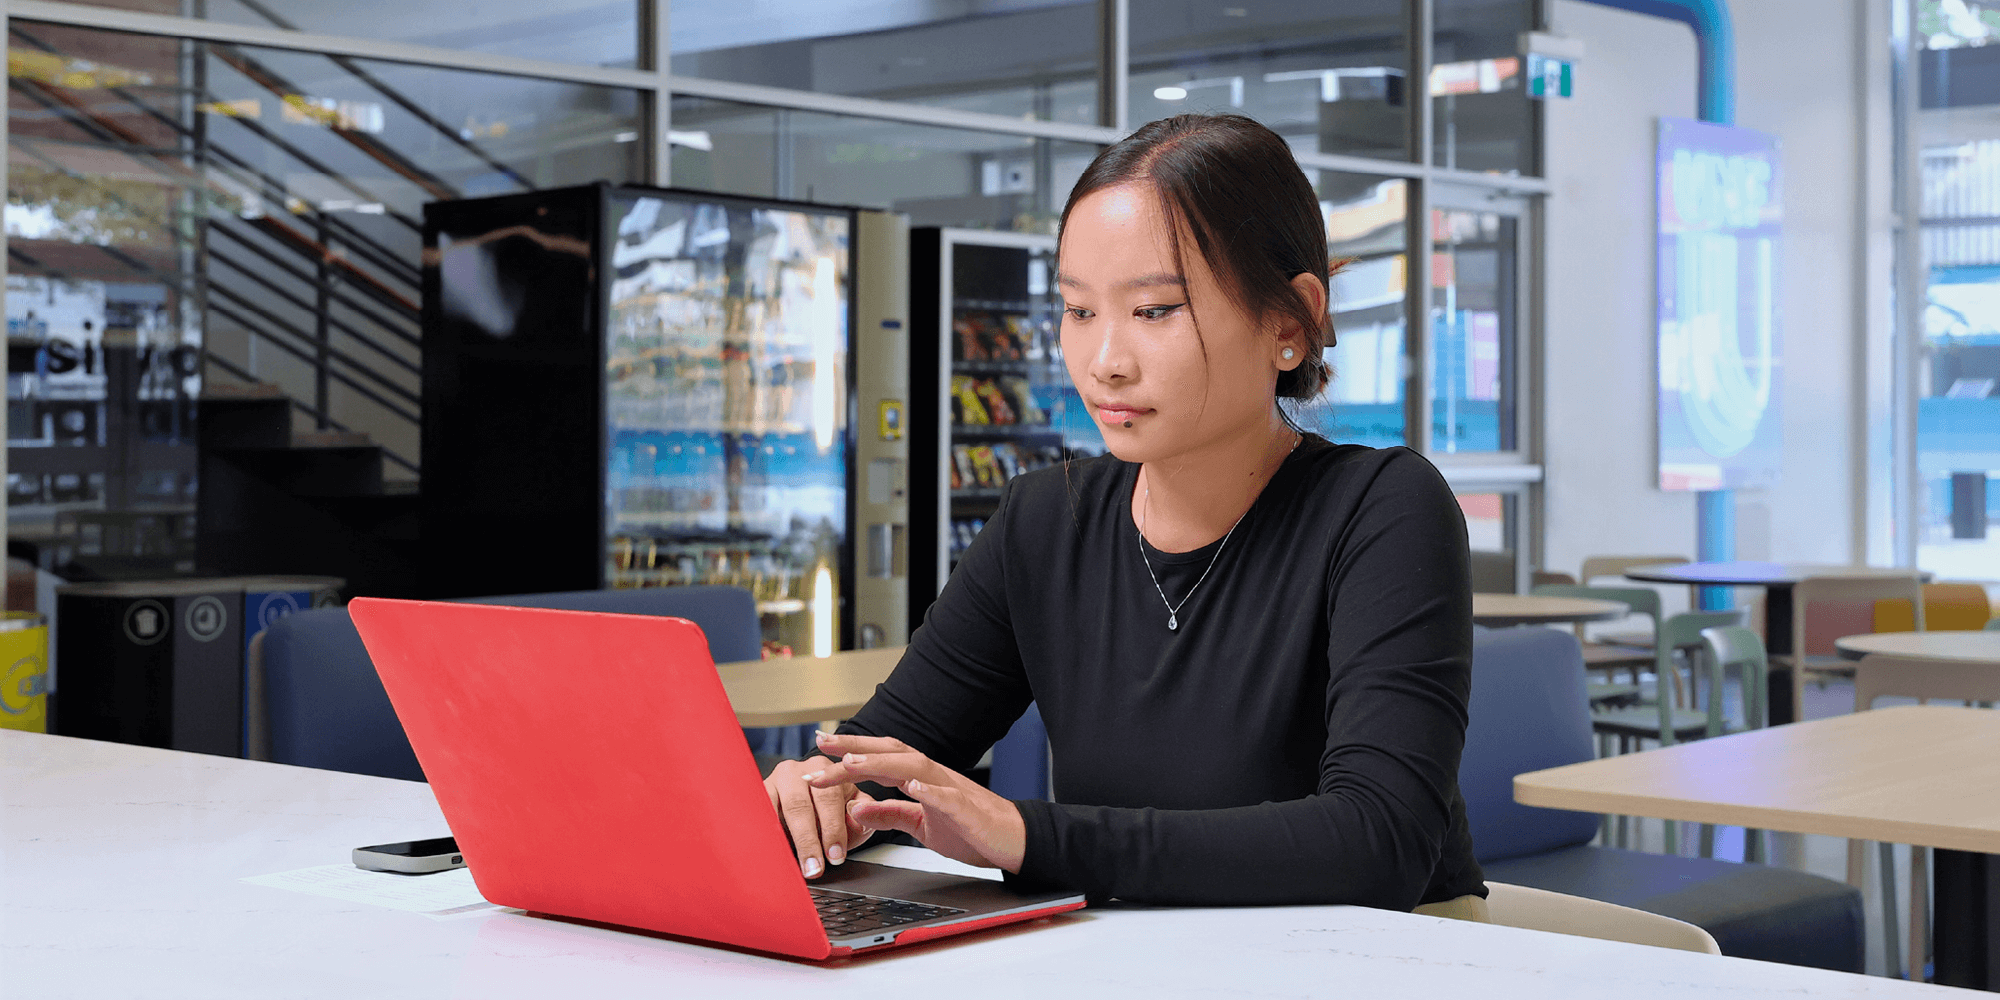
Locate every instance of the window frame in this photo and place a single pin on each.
(657, 85)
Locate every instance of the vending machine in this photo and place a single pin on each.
(642, 387)
(993, 399)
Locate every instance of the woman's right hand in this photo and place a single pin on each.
(817, 819)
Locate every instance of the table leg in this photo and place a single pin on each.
(1966, 901)
(1778, 641)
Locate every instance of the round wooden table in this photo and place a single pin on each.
(1501, 610)
(1758, 574)
(1777, 579)
(804, 689)
(1965, 647)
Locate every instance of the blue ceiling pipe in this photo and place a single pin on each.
(1715, 47)
(1715, 42)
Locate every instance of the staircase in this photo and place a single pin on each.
(319, 295)
(309, 420)
(274, 500)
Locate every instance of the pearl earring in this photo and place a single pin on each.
(1288, 354)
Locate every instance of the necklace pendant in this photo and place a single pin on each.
(1173, 623)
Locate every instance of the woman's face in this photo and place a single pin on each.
(1157, 388)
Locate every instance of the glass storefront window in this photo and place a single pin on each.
(171, 198)
(1957, 358)
(1329, 77)
(588, 32)
(1035, 59)
(1474, 311)
(104, 310)
(1363, 404)
(938, 176)
(1482, 117)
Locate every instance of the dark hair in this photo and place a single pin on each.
(1254, 217)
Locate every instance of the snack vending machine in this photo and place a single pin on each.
(640, 387)
(991, 397)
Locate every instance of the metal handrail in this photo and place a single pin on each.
(415, 110)
(131, 141)
(321, 244)
(278, 85)
(236, 370)
(334, 374)
(362, 338)
(395, 329)
(332, 353)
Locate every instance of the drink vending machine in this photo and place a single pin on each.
(643, 387)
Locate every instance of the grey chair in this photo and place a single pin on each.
(1528, 712)
(1727, 647)
(1662, 721)
(1606, 656)
(1598, 567)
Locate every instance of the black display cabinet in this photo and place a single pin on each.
(633, 387)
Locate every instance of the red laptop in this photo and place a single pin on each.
(590, 767)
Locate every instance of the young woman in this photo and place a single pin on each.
(1251, 646)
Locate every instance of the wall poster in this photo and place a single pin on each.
(1719, 361)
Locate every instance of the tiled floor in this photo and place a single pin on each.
(1825, 856)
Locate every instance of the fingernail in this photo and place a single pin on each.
(822, 735)
(854, 758)
(835, 854)
(811, 867)
(815, 776)
(913, 785)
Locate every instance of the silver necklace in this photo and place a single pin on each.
(1146, 509)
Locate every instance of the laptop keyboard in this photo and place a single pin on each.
(848, 913)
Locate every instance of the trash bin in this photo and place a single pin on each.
(24, 677)
(154, 663)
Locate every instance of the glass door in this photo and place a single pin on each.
(726, 402)
(1476, 296)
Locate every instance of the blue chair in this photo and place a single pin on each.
(326, 708)
(727, 616)
(1021, 759)
(1529, 711)
(324, 705)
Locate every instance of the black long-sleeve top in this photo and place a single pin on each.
(1296, 740)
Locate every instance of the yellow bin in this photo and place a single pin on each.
(24, 681)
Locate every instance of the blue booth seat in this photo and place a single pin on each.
(326, 708)
(1529, 711)
(1021, 759)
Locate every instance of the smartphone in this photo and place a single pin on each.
(411, 857)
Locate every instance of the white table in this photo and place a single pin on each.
(118, 877)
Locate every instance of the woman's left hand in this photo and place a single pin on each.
(952, 815)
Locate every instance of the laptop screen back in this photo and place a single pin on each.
(590, 767)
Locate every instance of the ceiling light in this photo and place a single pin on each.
(1169, 93)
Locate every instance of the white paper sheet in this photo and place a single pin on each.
(441, 895)
(923, 860)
